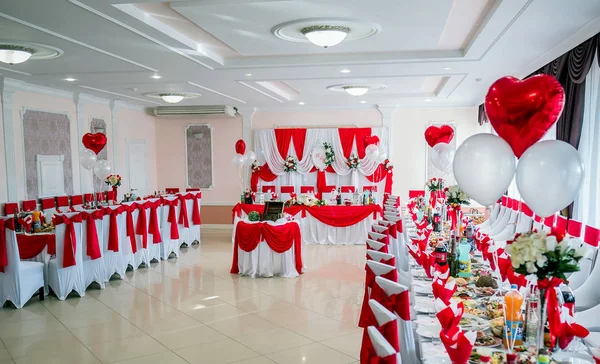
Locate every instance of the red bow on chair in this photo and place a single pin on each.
(113, 229)
(398, 303)
(70, 242)
(141, 227)
(153, 225)
(92, 243)
(183, 214)
(196, 209)
(172, 219)
(130, 227)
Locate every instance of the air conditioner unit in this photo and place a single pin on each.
(224, 110)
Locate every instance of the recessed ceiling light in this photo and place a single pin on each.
(156, 77)
(70, 79)
(345, 70)
(248, 74)
(301, 103)
(363, 102)
(447, 68)
(427, 100)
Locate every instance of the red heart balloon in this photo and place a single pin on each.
(240, 147)
(94, 142)
(371, 139)
(521, 112)
(439, 134)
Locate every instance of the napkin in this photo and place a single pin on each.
(414, 251)
(570, 329)
(516, 278)
(450, 315)
(458, 344)
(426, 260)
(504, 264)
(596, 354)
(443, 290)
(442, 272)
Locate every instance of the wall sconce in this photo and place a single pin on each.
(198, 136)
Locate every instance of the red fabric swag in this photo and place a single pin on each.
(113, 229)
(31, 246)
(381, 173)
(183, 213)
(130, 229)
(70, 242)
(299, 137)
(141, 228)
(92, 243)
(283, 137)
(263, 173)
(172, 218)
(196, 209)
(153, 225)
(343, 216)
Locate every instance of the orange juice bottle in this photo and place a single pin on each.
(513, 300)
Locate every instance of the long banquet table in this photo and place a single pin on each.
(336, 225)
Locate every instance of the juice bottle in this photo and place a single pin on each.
(464, 259)
(513, 300)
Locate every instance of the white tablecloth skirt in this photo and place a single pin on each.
(264, 262)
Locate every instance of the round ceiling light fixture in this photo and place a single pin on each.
(325, 35)
(172, 98)
(15, 54)
(356, 90)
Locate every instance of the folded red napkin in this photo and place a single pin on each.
(570, 329)
(450, 315)
(516, 278)
(458, 344)
(504, 264)
(443, 290)
(596, 354)
(441, 271)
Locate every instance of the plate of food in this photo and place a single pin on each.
(487, 340)
(474, 323)
(485, 291)
(572, 358)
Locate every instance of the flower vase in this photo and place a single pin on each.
(114, 190)
(542, 318)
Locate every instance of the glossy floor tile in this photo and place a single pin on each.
(192, 310)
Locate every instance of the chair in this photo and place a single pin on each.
(153, 210)
(268, 192)
(387, 324)
(29, 205)
(76, 202)
(493, 216)
(48, 208)
(169, 227)
(285, 192)
(62, 204)
(381, 257)
(100, 196)
(172, 190)
(94, 269)
(20, 280)
(372, 270)
(347, 192)
(88, 197)
(574, 228)
(377, 246)
(110, 197)
(193, 201)
(307, 190)
(499, 218)
(328, 193)
(383, 349)
(62, 280)
(145, 251)
(415, 193)
(114, 242)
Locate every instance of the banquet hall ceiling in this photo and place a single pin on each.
(426, 53)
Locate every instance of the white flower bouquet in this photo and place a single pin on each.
(255, 166)
(290, 164)
(435, 184)
(113, 180)
(546, 255)
(455, 196)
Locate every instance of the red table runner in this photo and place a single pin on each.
(280, 239)
(32, 245)
(338, 216)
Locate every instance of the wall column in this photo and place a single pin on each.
(9, 142)
(386, 116)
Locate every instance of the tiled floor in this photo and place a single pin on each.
(191, 310)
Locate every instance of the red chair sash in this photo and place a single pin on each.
(48, 203)
(153, 225)
(130, 228)
(172, 218)
(398, 303)
(88, 197)
(113, 229)
(574, 228)
(92, 243)
(307, 189)
(365, 313)
(141, 227)
(70, 242)
(287, 189)
(183, 213)
(592, 236)
(196, 210)
(29, 205)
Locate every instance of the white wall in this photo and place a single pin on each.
(410, 148)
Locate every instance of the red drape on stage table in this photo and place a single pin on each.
(263, 173)
(283, 137)
(343, 216)
(280, 238)
(247, 208)
(31, 246)
(381, 173)
(113, 229)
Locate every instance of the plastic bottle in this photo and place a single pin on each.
(464, 259)
(513, 300)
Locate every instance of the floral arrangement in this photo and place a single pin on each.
(353, 162)
(292, 201)
(113, 180)
(255, 166)
(455, 196)
(435, 184)
(546, 255)
(253, 216)
(310, 201)
(417, 203)
(388, 165)
(329, 154)
(291, 164)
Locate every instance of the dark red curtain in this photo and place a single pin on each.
(299, 137)
(283, 137)
(263, 173)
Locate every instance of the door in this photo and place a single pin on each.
(136, 163)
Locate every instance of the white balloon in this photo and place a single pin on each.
(102, 169)
(249, 157)
(318, 157)
(549, 176)
(484, 166)
(238, 160)
(87, 158)
(372, 152)
(441, 156)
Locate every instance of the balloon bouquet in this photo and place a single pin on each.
(242, 159)
(549, 173)
(442, 154)
(88, 156)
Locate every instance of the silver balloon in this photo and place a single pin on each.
(87, 158)
(238, 160)
(102, 169)
(549, 176)
(484, 166)
(441, 156)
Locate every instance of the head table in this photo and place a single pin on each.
(332, 224)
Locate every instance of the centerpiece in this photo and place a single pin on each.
(547, 258)
(255, 166)
(353, 162)
(455, 197)
(291, 164)
(114, 181)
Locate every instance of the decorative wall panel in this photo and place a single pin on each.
(46, 133)
(199, 156)
(94, 125)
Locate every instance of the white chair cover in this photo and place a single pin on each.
(194, 230)
(501, 220)
(153, 251)
(374, 245)
(264, 262)
(93, 270)
(493, 216)
(381, 345)
(505, 232)
(378, 256)
(64, 280)
(21, 279)
(410, 349)
(587, 295)
(168, 245)
(115, 262)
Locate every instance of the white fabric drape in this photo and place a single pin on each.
(587, 205)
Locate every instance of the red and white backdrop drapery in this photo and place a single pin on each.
(272, 146)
